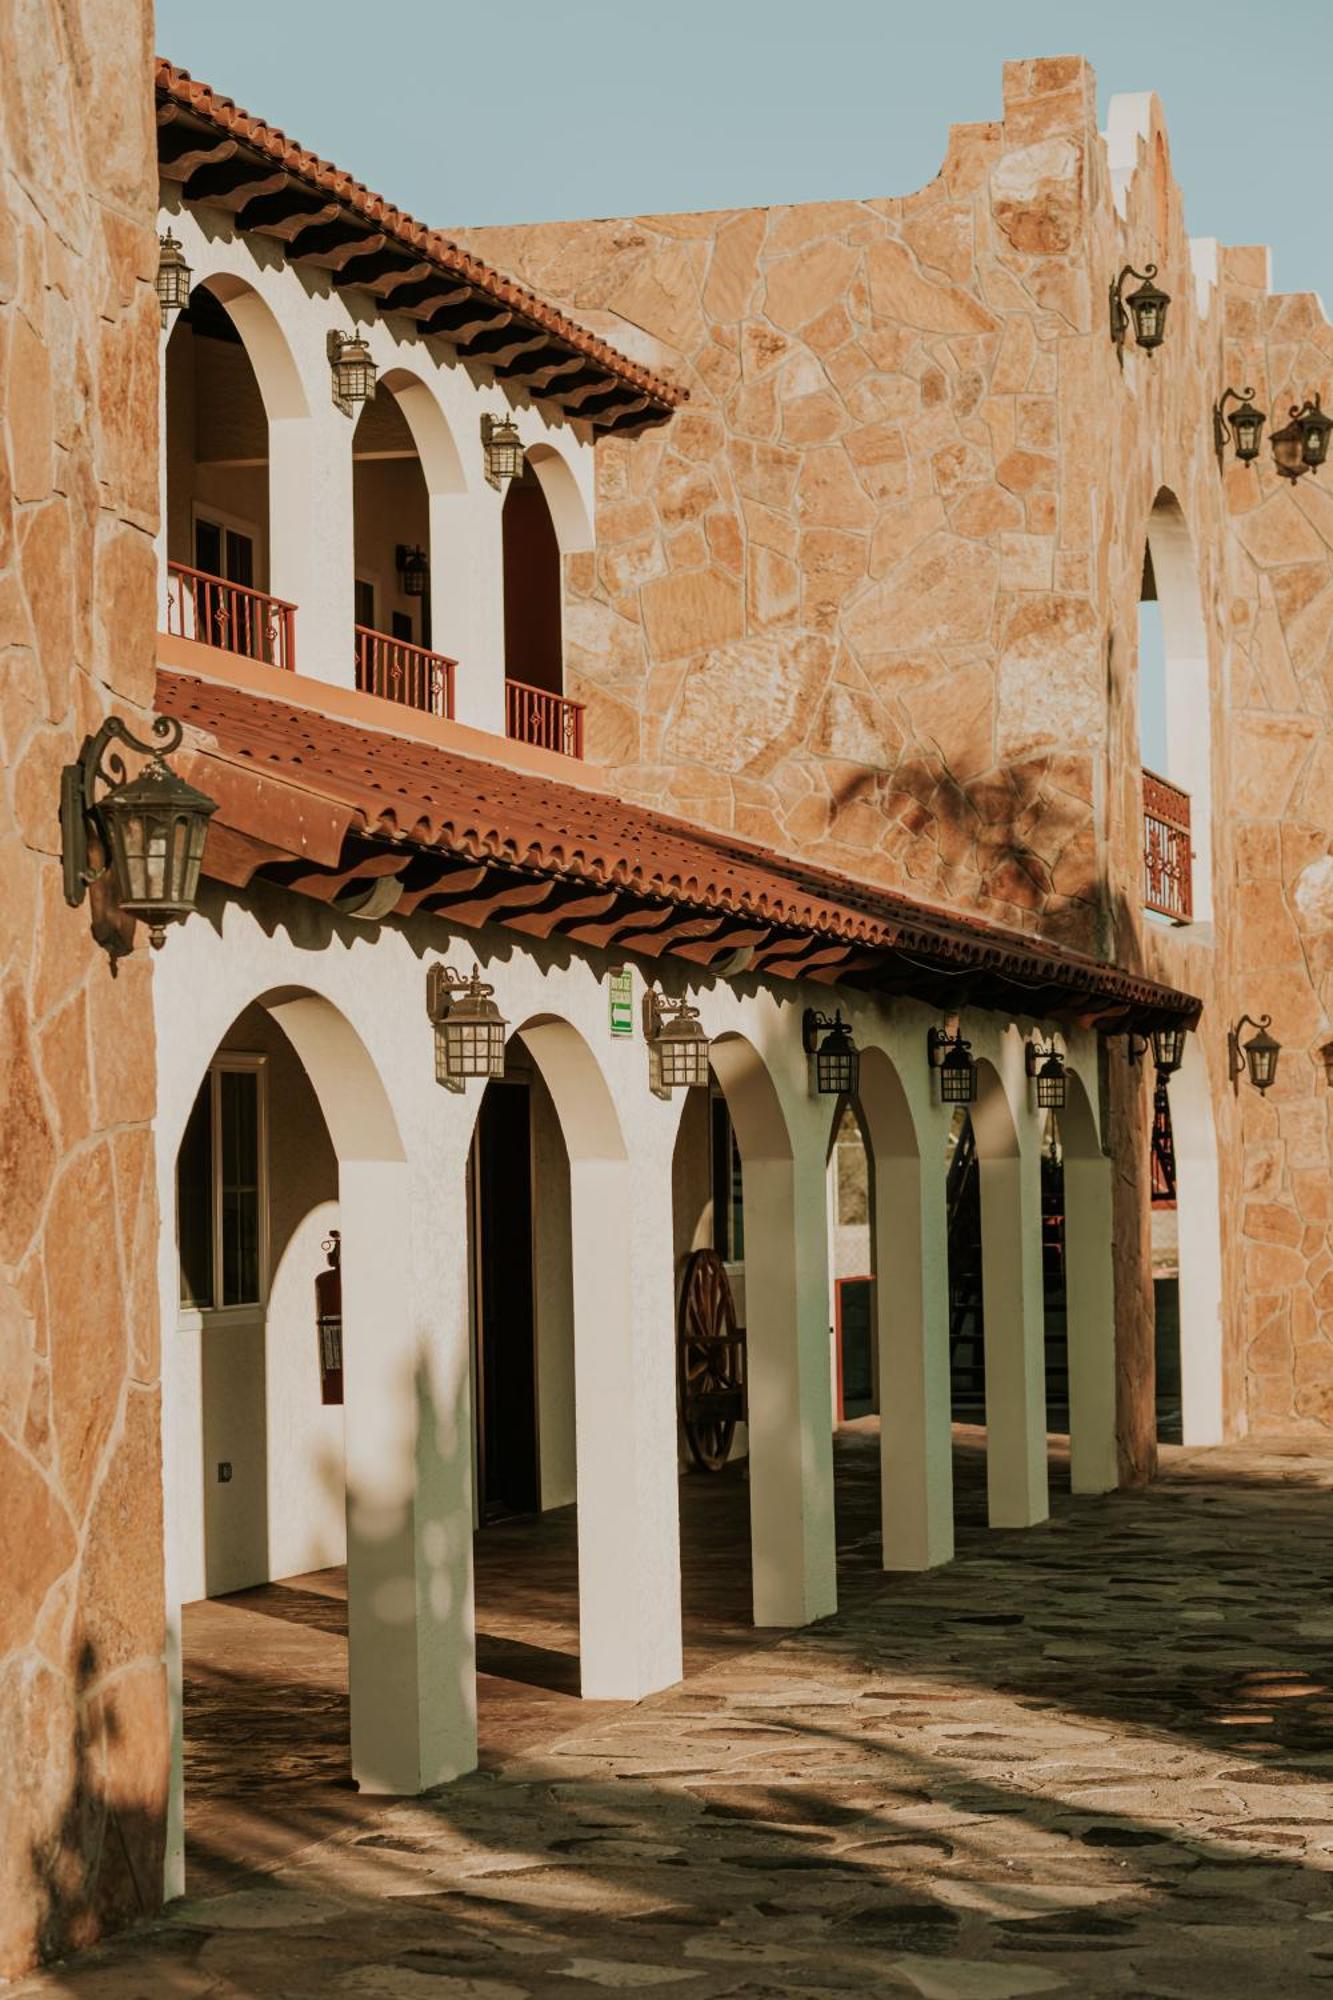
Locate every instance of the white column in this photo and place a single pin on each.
(912, 1304)
(1090, 1323)
(625, 1420)
(467, 601)
(792, 1536)
(411, 1665)
(1015, 1337)
(311, 538)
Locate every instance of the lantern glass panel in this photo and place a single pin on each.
(837, 1066)
(1247, 427)
(1168, 1046)
(1314, 439)
(958, 1078)
(682, 1056)
(1261, 1054)
(1051, 1084)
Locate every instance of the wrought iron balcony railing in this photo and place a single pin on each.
(550, 721)
(398, 671)
(230, 615)
(1168, 886)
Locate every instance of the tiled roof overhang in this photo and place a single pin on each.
(219, 154)
(339, 812)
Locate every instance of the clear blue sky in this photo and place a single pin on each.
(477, 111)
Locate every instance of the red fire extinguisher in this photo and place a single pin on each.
(329, 1321)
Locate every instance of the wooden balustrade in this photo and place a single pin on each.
(550, 721)
(230, 615)
(1168, 884)
(396, 670)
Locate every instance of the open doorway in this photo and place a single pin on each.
(504, 1353)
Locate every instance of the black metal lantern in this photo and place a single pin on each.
(469, 1027)
(413, 569)
(173, 276)
(837, 1058)
(353, 370)
(953, 1058)
(1168, 1048)
(1246, 425)
(1146, 304)
(1046, 1066)
(678, 1048)
(150, 831)
(1259, 1055)
(503, 448)
(1314, 428)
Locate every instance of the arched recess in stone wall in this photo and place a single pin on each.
(1171, 575)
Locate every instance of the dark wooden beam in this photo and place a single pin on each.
(231, 183)
(458, 324)
(330, 245)
(285, 213)
(183, 149)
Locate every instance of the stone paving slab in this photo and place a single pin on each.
(1038, 1771)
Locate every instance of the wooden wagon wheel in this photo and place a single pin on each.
(710, 1365)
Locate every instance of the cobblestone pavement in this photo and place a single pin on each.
(1093, 1758)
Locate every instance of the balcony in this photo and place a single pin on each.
(214, 612)
(396, 670)
(548, 721)
(1168, 886)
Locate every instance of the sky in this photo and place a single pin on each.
(541, 110)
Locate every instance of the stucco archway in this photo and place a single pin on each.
(1014, 1335)
(1171, 580)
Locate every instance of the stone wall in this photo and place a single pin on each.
(83, 1723)
(873, 598)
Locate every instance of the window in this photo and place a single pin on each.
(221, 1198)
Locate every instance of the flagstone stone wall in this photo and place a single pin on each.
(83, 1725)
(872, 598)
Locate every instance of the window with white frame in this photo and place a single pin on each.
(221, 1190)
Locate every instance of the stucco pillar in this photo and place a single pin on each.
(625, 1420)
(792, 1537)
(411, 1665)
(912, 1300)
(1090, 1320)
(467, 601)
(311, 543)
(1015, 1337)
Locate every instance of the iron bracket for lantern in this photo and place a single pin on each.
(952, 1056)
(678, 1048)
(837, 1060)
(1145, 306)
(469, 1027)
(95, 861)
(1243, 427)
(1258, 1056)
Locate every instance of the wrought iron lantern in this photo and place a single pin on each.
(678, 1048)
(1046, 1066)
(352, 369)
(1245, 424)
(144, 837)
(953, 1058)
(173, 276)
(837, 1064)
(1144, 307)
(503, 448)
(1168, 1048)
(1301, 445)
(1258, 1055)
(413, 569)
(469, 1027)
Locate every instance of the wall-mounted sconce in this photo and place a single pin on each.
(413, 569)
(1244, 425)
(173, 276)
(953, 1058)
(1046, 1067)
(1144, 307)
(837, 1064)
(503, 449)
(144, 837)
(1167, 1044)
(677, 1045)
(352, 370)
(469, 1027)
(1259, 1055)
(1301, 446)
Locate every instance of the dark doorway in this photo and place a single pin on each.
(503, 1328)
(1055, 1296)
(967, 1329)
(534, 652)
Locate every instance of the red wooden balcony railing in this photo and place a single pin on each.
(550, 721)
(230, 615)
(399, 671)
(1168, 886)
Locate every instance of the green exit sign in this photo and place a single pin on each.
(622, 1001)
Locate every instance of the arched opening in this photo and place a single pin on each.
(540, 523)
(856, 1388)
(1175, 718)
(402, 454)
(229, 379)
(1187, 1259)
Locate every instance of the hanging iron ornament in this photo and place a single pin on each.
(1301, 445)
(1163, 1178)
(1046, 1066)
(140, 845)
(502, 447)
(353, 372)
(1144, 308)
(1244, 425)
(173, 276)
(678, 1048)
(837, 1064)
(953, 1058)
(1258, 1055)
(469, 1027)
(413, 567)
